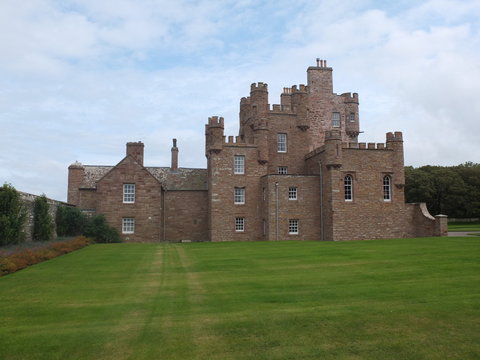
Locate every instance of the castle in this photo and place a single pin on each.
(296, 171)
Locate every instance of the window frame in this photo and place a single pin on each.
(239, 164)
(239, 195)
(239, 224)
(336, 123)
(292, 193)
(282, 170)
(387, 188)
(348, 187)
(128, 225)
(352, 117)
(293, 226)
(282, 143)
(129, 191)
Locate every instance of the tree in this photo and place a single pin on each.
(42, 220)
(449, 190)
(12, 216)
(70, 221)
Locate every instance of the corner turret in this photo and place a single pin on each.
(214, 135)
(333, 149)
(76, 173)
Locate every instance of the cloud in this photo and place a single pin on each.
(78, 79)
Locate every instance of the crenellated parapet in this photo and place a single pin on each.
(350, 98)
(214, 130)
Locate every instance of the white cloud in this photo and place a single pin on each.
(78, 79)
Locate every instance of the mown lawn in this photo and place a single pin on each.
(464, 226)
(383, 299)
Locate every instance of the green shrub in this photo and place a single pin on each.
(70, 221)
(12, 216)
(100, 231)
(42, 220)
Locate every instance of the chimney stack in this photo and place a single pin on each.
(174, 165)
(135, 149)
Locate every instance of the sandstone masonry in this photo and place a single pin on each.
(295, 171)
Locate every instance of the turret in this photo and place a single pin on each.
(76, 173)
(352, 121)
(261, 139)
(259, 98)
(214, 135)
(135, 149)
(333, 148)
(299, 102)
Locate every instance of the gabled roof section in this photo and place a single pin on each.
(93, 173)
(180, 179)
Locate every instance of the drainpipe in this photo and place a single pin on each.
(321, 201)
(164, 214)
(276, 211)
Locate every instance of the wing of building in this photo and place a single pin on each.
(296, 171)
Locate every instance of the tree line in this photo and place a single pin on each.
(447, 190)
(68, 221)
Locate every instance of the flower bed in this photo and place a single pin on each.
(21, 258)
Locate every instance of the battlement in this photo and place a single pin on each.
(245, 100)
(260, 86)
(278, 108)
(215, 121)
(350, 98)
(302, 88)
(394, 136)
(365, 146)
(235, 140)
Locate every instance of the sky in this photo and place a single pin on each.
(80, 78)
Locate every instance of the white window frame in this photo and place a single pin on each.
(387, 188)
(348, 187)
(282, 170)
(352, 117)
(239, 164)
(128, 193)
(281, 142)
(336, 122)
(292, 193)
(239, 224)
(293, 226)
(239, 195)
(128, 225)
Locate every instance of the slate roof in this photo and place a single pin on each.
(180, 179)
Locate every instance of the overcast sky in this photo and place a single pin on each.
(80, 78)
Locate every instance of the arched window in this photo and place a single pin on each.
(387, 188)
(348, 186)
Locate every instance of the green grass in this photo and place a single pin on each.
(382, 299)
(464, 226)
